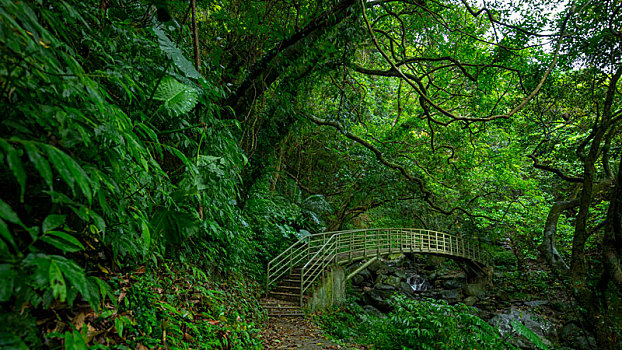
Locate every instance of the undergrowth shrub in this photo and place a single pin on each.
(112, 155)
(415, 324)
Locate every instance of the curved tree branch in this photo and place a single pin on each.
(399, 73)
(428, 196)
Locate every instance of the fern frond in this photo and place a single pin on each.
(529, 334)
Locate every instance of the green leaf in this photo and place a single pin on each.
(52, 221)
(16, 166)
(6, 234)
(10, 341)
(57, 158)
(174, 226)
(146, 233)
(119, 325)
(178, 98)
(62, 241)
(178, 154)
(40, 163)
(57, 282)
(7, 276)
(98, 220)
(75, 340)
(176, 55)
(75, 275)
(70, 170)
(7, 213)
(104, 288)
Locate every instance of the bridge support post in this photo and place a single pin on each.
(330, 291)
(378, 242)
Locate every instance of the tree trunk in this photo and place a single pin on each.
(612, 242)
(577, 264)
(547, 248)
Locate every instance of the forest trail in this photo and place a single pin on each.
(297, 333)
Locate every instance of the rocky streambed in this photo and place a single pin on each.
(431, 277)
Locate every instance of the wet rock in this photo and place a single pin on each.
(452, 284)
(470, 301)
(365, 274)
(407, 289)
(536, 303)
(378, 299)
(475, 290)
(541, 327)
(394, 281)
(373, 311)
(399, 274)
(576, 337)
(357, 280)
(452, 296)
(376, 266)
(383, 286)
(383, 271)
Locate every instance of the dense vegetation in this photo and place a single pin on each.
(154, 155)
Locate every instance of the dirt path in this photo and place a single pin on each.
(297, 333)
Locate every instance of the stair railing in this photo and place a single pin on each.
(284, 263)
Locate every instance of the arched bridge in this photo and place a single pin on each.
(305, 261)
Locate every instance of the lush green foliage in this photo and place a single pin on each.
(117, 150)
(111, 155)
(416, 324)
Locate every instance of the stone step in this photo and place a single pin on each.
(281, 312)
(285, 296)
(280, 308)
(289, 282)
(292, 314)
(287, 289)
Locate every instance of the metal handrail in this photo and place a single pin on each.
(316, 251)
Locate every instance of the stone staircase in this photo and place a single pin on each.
(284, 299)
(278, 308)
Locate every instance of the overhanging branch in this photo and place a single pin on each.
(427, 194)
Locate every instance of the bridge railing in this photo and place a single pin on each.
(317, 251)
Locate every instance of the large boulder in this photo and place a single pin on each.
(378, 267)
(392, 281)
(399, 273)
(538, 325)
(379, 299)
(373, 311)
(358, 280)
